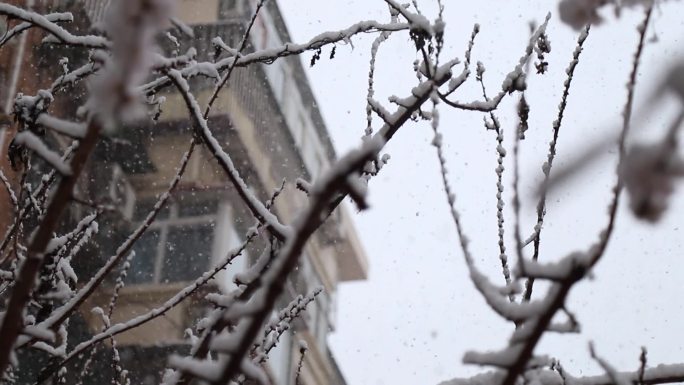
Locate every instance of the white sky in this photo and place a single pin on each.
(416, 315)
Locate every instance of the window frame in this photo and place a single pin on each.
(164, 225)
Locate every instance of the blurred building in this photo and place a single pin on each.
(266, 118)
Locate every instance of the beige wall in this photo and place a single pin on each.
(197, 11)
(135, 300)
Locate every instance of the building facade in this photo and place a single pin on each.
(267, 120)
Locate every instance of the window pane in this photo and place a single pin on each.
(143, 208)
(142, 265)
(189, 207)
(187, 252)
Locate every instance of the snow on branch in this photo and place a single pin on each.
(493, 124)
(270, 55)
(39, 195)
(48, 24)
(74, 76)
(277, 327)
(514, 81)
(546, 168)
(21, 27)
(64, 127)
(29, 140)
(608, 368)
(375, 46)
(318, 41)
(419, 95)
(418, 23)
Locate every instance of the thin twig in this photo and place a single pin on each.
(500, 155)
(546, 168)
(270, 55)
(302, 351)
(642, 365)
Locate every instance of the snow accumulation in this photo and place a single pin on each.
(57, 33)
(19, 28)
(65, 127)
(32, 142)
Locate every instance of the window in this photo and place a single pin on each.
(178, 245)
(225, 243)
(317, 313)
(230, 4)
(320, 324)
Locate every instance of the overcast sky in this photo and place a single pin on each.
(416, 315)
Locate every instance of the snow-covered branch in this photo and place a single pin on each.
(256, 207)
(48, 23)
(21, 27)
(546, 168)
(270, 55)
